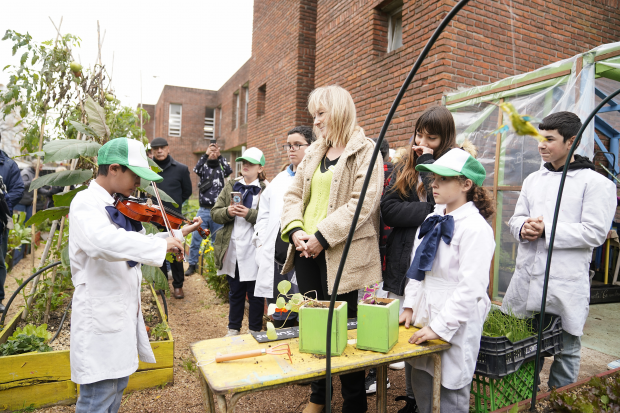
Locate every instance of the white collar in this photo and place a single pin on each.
(256, 182)
(461, 212)
(101, 193)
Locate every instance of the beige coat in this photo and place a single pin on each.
(363, 266)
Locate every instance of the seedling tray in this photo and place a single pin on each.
(499, 357)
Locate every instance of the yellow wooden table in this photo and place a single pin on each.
(240, 377)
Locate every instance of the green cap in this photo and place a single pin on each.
(253, 155)
(129, 153)
(457, 162)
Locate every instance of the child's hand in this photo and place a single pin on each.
(174, 245)
(532, 228)
(232, 210)
(241, 211)
(423, 335)
(192, 227)
(405, 317)
(420, 150)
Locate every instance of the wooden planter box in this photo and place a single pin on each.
(44, 379)
(377, 325)
(524, 406)
(313, 329)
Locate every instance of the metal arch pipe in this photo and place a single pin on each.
(552, 240)
(6, 310)
(360, 202)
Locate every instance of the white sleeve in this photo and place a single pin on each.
(411, 292)
(99, 238)
(262, 220)
(522, 212)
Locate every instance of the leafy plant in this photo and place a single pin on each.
(23, 343)
(600, 395)
(32, 330)
(289, 302)
(160, 331)
(189, 365)
(500, 324)
(217, 283)
(20, 234)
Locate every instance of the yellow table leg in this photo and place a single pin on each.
(607, 261)
(382, 389)
(207, 396)
(436, 383)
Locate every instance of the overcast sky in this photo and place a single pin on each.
(194, 43)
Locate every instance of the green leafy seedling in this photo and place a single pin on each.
(271, 331)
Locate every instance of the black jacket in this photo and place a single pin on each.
(215, 170)
(404, 216)
(176, 183)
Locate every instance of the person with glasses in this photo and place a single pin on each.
(271, 250)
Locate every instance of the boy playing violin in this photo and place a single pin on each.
(106, 250)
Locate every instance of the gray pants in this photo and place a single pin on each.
(452, 401)
(101, 396)
(565, 366)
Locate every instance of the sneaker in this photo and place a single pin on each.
(232, 333)
(169, 275)
(410, 407)
(371, 382)
(397, 366)
(1, 307)
(190, 270)
(252, 331)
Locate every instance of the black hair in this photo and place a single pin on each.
(103, 169)
(566, 123)
(305, 131)
(384, 149)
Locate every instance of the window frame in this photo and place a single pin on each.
(391, 17)
(172, 116)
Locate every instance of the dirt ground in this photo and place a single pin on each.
(201, 316)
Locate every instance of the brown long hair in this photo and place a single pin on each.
(435, 121)
(482, 199)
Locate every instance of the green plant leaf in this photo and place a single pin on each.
(84, 129)
(65, 198)
(154, 274)
(64, 256)
(63, 178)
(604, 399)
(51, 213)
(96, 118)
(153, 165)
(271, 331)
(271, 309)
(148, 188)
(284, 286)
(514, 409)
(150, 228)
(281, 302)
(60, 150)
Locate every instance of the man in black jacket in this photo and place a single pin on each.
(178, 185)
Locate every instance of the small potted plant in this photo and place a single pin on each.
(312, 321)
(377, 324)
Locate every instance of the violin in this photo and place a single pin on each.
(143, 210)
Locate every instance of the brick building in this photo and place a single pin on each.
(368, 47)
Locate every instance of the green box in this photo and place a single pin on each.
(313, 329)
(377, 325)
(492, 394)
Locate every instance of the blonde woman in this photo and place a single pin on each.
(318, 212)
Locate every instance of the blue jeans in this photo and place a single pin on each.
(101, 396)
(565, 367)
(4, 241)
(207, 223)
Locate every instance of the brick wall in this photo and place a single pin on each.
(228, 135)
(149, 127)
(476, 48)
(281, 74)
(195, 102)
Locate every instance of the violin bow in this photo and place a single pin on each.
(168, 226)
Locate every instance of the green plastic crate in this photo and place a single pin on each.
(492, 394)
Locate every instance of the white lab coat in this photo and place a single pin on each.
(453, 298)
(587, 210)
(266, 230)
(240, 250)
(107, 328)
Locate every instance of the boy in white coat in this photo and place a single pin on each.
(587, 210)
(106, 250)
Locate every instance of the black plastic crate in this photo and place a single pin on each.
(499, 357)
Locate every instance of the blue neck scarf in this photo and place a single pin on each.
(247, 192)
(127, 224)
(290, 170)
(434, 229)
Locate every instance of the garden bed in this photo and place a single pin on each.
(44, 379)
(543, 404)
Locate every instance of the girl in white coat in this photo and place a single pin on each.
(446, 295)
(270, 249)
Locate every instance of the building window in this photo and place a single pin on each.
(261, 99)
(174, 120)
(219, 123)
(394, 13)
(235, 110)
(247, 105)
(209, 128)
